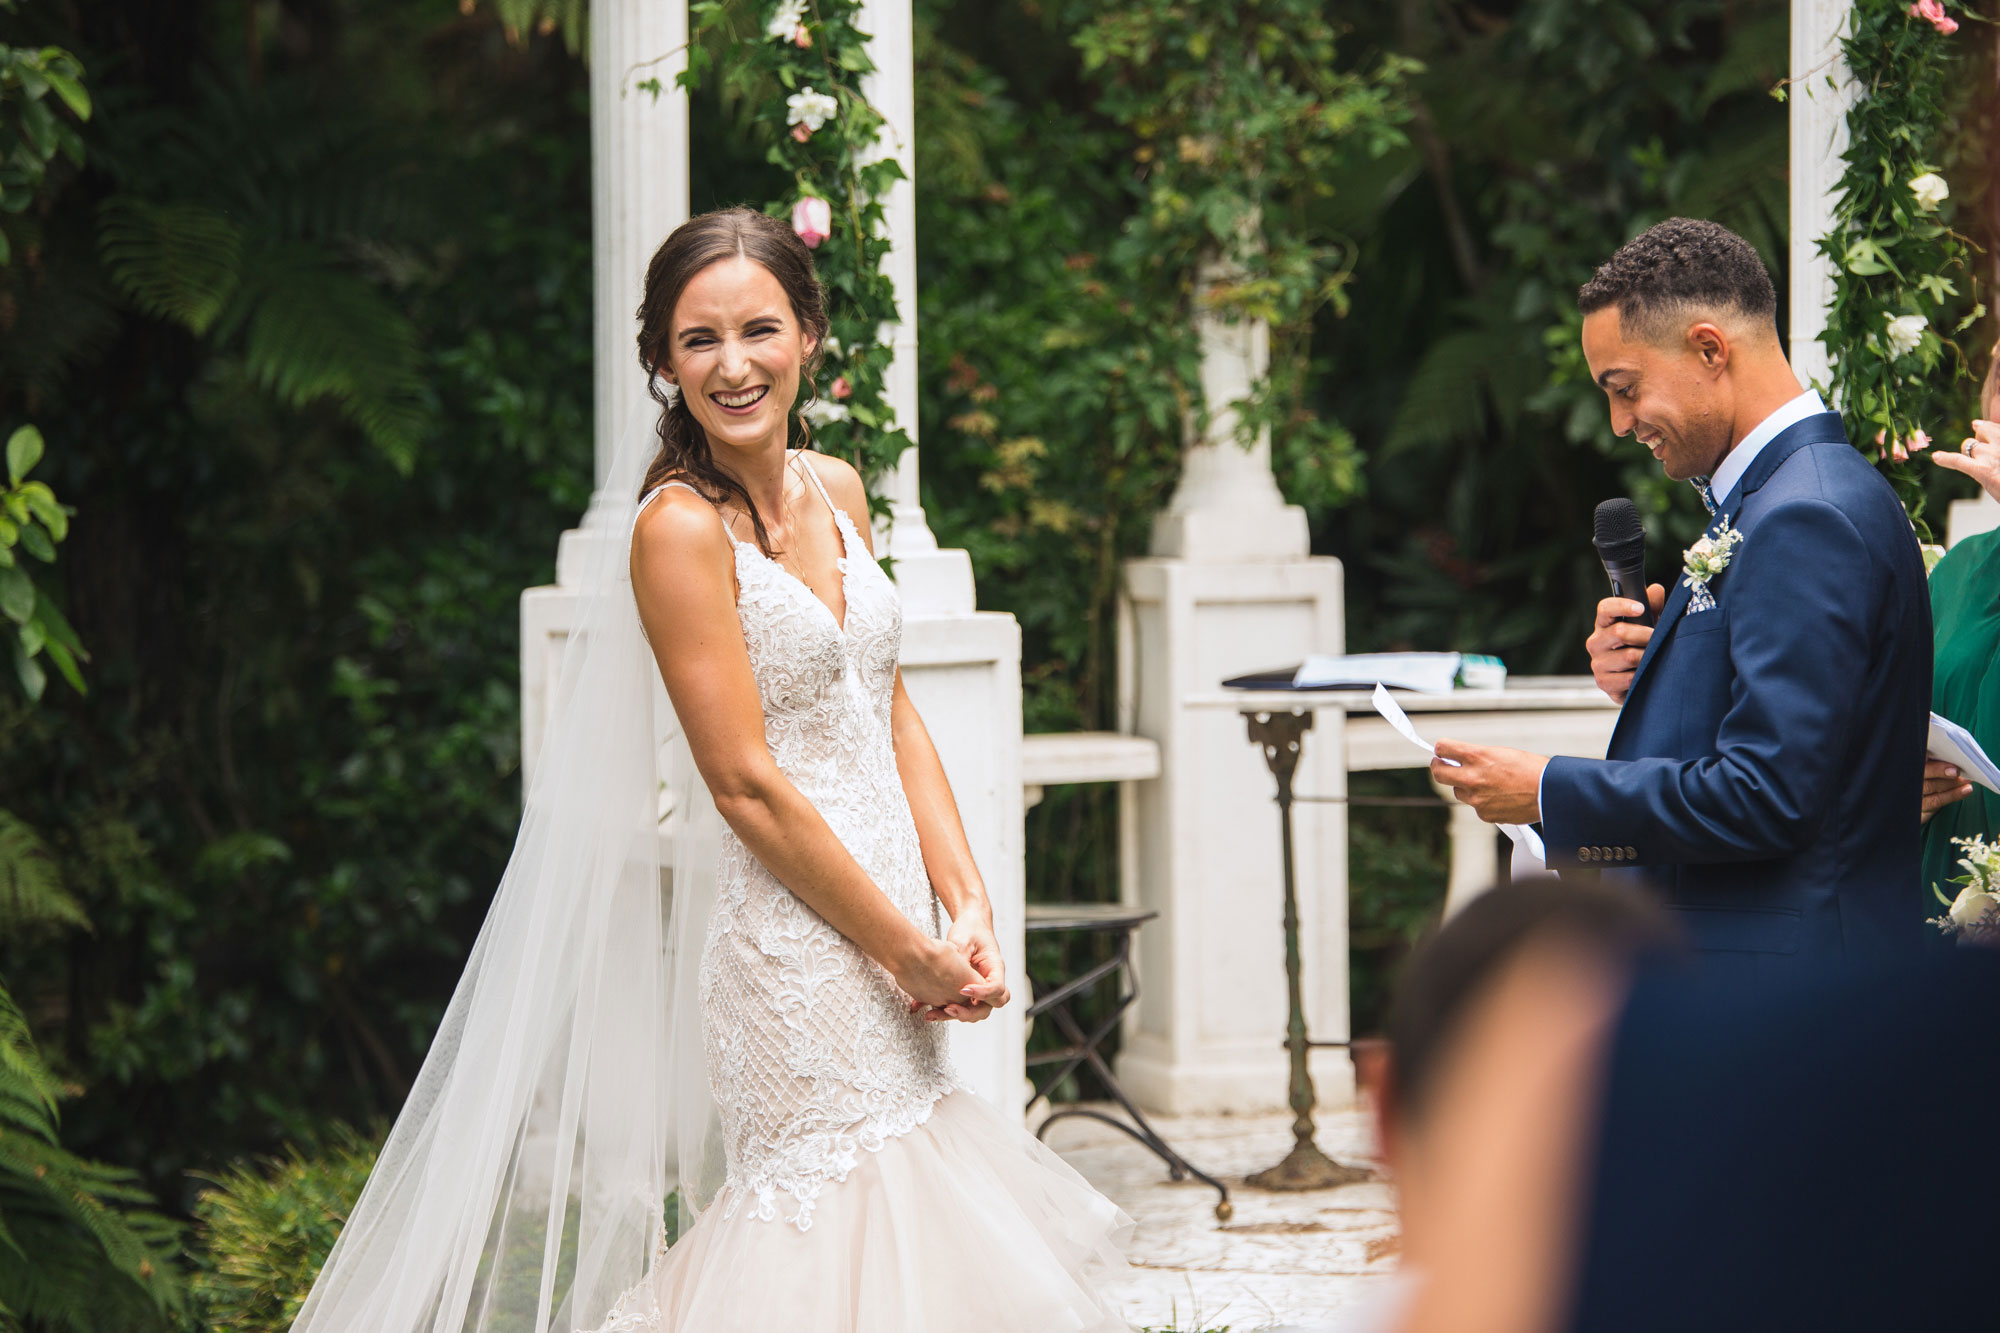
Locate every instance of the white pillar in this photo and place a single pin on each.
(932, 581)
(638, 194)
(1227, 506)
(1821, 91)
(962, 666)
(1231, 589)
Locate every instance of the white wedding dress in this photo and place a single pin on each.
(866, 1190)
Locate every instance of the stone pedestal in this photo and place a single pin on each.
(1207, 1034)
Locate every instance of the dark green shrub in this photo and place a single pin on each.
(264, 1227)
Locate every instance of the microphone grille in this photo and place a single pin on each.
(1619, 524)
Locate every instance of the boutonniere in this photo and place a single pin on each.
(1707, 558)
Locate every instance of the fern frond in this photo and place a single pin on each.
(31, 891)
(80, 1249)
(176, 261)
(316, 332)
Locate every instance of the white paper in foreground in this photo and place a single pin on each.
(1530, 857)
(1954, 744)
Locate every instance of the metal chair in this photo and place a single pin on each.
(1054, 999)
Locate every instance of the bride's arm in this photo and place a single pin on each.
(947, 854)
(683, 576)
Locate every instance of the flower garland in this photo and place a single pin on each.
(1905, 288)
(806, 61)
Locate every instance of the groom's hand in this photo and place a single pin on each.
(1616, 644)
(1504, 786)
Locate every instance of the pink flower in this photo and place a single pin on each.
(801, 133)
(812, 219)
(1919, 442)
(1932, 12)
(801, 38)
(842, 389)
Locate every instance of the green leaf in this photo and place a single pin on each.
(179, 262)
(71, 91)
(17, 595)
(42, 501)
(37, 544)
(65, 661)
(24, 450)
(29, 672)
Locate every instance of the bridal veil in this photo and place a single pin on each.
(561, 1121)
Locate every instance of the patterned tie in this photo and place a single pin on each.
(1707, 495)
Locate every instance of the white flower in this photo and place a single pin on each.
(810, 109)
(1974, 908)
(821, 413)
(832, 346)
(1710, 556)
(786, 20)
(1981, 862)
(1930, 190)
(1904, 333)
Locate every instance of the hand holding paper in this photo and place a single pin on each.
(1471, 787)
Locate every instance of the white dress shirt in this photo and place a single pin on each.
(1738, 460)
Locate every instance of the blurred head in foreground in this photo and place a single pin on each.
(1496, 1042)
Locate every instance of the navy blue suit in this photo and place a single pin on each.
(1767, 766)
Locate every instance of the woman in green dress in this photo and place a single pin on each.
(1965, 607)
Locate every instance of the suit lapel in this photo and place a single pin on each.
(1820, 428)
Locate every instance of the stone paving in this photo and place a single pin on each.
(1283, 1260)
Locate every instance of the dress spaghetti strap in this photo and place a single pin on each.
(812, 474)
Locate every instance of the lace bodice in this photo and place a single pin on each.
(813, 1056)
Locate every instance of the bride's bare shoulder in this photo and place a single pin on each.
(679, 529)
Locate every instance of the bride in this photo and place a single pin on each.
(738, 1116)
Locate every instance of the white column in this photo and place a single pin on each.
(932, 581)
(1227, 506)
(962, 666)
(1821, 91)
(638, 194)
(1231, 589)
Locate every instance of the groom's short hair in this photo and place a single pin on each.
(1676, 271)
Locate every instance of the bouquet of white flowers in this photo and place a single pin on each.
(1974, 916)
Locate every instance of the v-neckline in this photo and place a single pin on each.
(845, 563)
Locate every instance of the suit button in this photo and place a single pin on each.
(1586, 853)
(1631, 853)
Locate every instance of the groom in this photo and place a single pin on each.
(1769, 756)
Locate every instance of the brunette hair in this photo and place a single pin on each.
(729, 233)
(1990, 387)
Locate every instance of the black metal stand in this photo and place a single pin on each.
(1082, 1049)
(1305, 1167)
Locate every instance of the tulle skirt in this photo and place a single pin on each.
(966, 1224)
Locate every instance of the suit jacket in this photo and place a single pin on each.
(1765, 772)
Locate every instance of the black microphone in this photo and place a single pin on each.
(1620, 539)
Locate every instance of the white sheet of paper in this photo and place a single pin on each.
(1527, 843)
(1392, 712)
(1954, 744)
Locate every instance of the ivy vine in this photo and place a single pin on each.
(806, 59)
(1241, 117)
(1905, 287)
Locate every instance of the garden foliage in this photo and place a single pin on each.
(308, 327)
